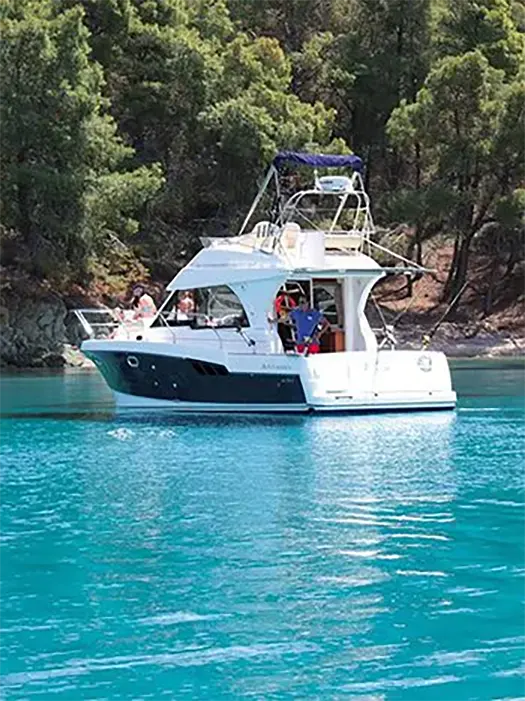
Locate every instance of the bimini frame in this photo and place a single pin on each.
(354, 187)
(269, 233)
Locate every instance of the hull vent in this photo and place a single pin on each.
(205, 368)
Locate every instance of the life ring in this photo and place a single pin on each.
(424, 362)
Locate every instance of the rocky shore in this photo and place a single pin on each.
(38, 330)
(456, 341)
(32, 329)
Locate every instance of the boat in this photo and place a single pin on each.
(227, 352)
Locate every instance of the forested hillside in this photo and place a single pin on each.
(129, 128)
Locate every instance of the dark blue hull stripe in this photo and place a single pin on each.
(188, 380)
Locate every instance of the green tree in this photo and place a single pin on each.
(59, 148)
(291, 22)
(374, 54)
(485, 25)
(257, 116)
(469, 123)
(212, 105)
(108, 22)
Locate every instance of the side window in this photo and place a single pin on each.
(177, 310)
(201, 308)
(218, 307)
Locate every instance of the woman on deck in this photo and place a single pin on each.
(142, 304)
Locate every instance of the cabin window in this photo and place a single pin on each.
(203, 307)
(327, 297)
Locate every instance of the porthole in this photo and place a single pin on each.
(132, 361)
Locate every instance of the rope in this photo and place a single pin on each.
(378, 309)
(390, 328)
(427, 338)
(404, 311)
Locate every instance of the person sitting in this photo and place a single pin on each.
(310, 324)
(142, 303)
(185, 306)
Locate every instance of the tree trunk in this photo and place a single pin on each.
(515, 253)
(489, 296)
(367, 168)
(416, 245)
(458, 270)
(451, 272)
(23, 199)
(419, 247)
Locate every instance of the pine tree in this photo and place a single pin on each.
(65, 184)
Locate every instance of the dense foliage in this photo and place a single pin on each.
(139, 125)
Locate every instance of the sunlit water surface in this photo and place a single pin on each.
(351, 557)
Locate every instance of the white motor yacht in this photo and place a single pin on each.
(215, 345)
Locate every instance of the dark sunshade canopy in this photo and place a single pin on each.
(317, 160)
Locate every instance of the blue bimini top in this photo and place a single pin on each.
(314, 160)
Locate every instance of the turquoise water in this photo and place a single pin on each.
(319, 558)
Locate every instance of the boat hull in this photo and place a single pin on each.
(158, 376)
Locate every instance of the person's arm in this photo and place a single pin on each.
(117, 314)
(273, 316)
(325, 326)
(291, 318)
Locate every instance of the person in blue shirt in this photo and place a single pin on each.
(310, 324)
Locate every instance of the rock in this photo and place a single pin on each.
(53, 360)
(32, 331)
(73, 357)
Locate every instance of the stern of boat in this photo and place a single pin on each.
(384, 380)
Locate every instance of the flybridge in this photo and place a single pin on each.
(303, 223)
(307, 227)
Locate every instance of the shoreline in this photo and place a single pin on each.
(452, 340)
